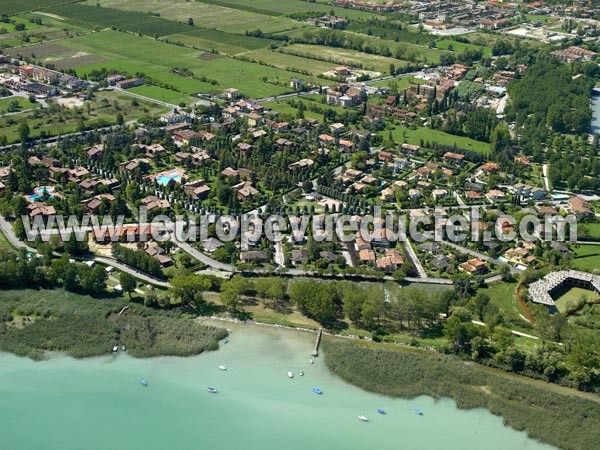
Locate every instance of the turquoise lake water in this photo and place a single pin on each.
(99, 403)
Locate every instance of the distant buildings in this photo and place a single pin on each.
(574, 54)
(346, 96)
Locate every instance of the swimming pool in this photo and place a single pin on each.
(166, 179)
(41, 192)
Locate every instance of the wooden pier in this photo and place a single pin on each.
(315, 351)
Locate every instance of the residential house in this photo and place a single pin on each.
(245, 191)
(474, 266)
(254, 256)
(196, 189)
(299, 256)
(581, 208)
(496, 196)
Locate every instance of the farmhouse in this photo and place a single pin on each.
(129, 83)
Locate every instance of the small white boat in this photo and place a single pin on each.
(123, 348)
(363, 418)
(222, 367)
(310, 360)
(115, 348)
(290, 375)
(212, 390)
(301, 374)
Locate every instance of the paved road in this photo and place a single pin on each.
(410, 252)
(132, 271)
(279, 256)
(545, 173)
(197, 254)
(6, 228)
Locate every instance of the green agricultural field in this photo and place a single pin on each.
(205, 15)
(33, 33)
(128, 53)
(137, 22)
(18, 6)
(23, 104)
(189, 40)
(399, 50)
(343, 56)
(587, 257)
(414, 136)
(234, 40)
(47, 52)
(287, 7)
(151, 25)
(407, 34)
(285, 61)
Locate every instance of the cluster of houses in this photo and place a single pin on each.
(574, 54)
(40, 82)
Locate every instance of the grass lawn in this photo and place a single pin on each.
(4, 244)
(400, 84)
(24, 104)
(166, 95)
(401, 134)
(462, 46)
(282, 314)
(283, 107)
(592, 230)
(571, 295)
(587, 257)
(502, 295)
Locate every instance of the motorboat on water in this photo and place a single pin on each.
(226, 341)
(310, 360)
(290, 375)
(123, 348)
(380, 411)
(363, 418)
(143, 382)
(212, 390)
(115, 348)
(316, 390)
(418, 411)
(222, 367)
(301, 373)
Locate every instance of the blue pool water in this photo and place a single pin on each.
(165, 179)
